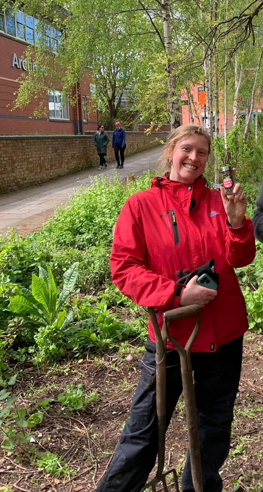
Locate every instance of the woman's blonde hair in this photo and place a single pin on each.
(175, 136)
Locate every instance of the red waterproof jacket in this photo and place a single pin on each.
(172, 227)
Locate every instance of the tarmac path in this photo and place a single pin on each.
(28, 209)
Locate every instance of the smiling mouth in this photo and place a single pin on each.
(189, 166)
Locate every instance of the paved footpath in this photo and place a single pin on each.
(26, 210)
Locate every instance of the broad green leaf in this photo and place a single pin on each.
(21, 305)
(60, 319)
(40, 291)
(43, 274)
(70, 278)
(69, 318)
(53, 293)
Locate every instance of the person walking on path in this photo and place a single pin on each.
(101, 141)
(180, 224)
(119, 144)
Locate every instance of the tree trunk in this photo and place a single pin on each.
(192, 106)
(170, 65)
(210, 112)
(238, 79)
(252, 100)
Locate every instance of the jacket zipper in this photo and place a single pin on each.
(175, 227)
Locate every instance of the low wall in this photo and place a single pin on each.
(31, 160)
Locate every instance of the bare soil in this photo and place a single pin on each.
(85, 440)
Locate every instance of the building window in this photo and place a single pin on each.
(25, 27)
(58, 105)
(2, 21)
(10, 23)
(84, 108)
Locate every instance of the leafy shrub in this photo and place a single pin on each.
(100, 329)
(43, 308)
(20, 257)
(74, 398)
(52, 464)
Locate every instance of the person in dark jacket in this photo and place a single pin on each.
(258, 216)
(101, 141)
(119, 144)
(180, 224)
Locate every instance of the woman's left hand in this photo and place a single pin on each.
(235, 205)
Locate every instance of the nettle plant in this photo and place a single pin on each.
(45, 307)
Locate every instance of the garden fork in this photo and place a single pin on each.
(190, 407)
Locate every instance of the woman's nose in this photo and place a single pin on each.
(193, 155)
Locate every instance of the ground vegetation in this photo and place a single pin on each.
(70, 343)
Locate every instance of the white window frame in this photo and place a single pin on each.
(84, 108)
(62, 106)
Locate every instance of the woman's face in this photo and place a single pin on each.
(189, 158)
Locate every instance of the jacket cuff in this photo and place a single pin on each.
(239, 231)
(178, 295)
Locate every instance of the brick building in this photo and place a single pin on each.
(16, 33)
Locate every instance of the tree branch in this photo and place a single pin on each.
(153, 24)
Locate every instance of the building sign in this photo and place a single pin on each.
(22, 64)
(201, 96)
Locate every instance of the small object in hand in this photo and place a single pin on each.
(227, 179)
(206, 281)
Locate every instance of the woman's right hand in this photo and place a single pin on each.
(193, 293)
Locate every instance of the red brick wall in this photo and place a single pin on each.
(27, 161)
(21, 121)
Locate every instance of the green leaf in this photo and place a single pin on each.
(21, 305)
(12, 380)
(4, 394)
(69, 318)
(8, 444)
(22, 423)
(53, 293)
(5, 412)
(40, 291)
(22, 438)
(11, 400)
(44, 403)
(35, 419)
(60, 319)
(70, 278)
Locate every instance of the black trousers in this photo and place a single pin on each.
(102, 159)
(216, 377)
(119, 150)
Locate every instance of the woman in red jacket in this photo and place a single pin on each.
(180, 224)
